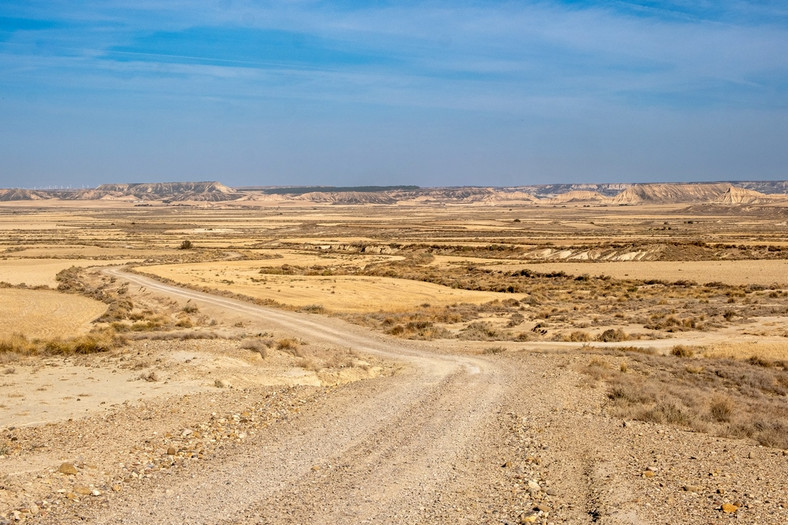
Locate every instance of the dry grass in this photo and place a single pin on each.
(682, 351)
(300, 288)
(41, 272)
(736, 273)
(257, 344)
(289, 345)
(766, 350)
(101, 341)
(399, 286)
(719, 396)
(703, 276)
(46, 313)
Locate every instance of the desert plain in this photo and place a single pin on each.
(296, 361)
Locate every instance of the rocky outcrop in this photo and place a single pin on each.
(579, 196)
(736, 195)
(671, 193)
(175, 191)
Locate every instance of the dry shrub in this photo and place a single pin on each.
(190, 308)
(310, 363)
(396, 330)
(612, 335)
(260, 346)
(313, 309)
(682, 351)
(480, 331)
(150, 377)
(724, 397)
(17, 344)
(184, 322)
(760, 361)
(598, 368)
(665, 412)
(424, 330)
(771, 433)
(627, 391)
(578, 336)
(288, 345)
(340, 359)
(721, 408)
(94, 342)
(494, 350)
(174, 336)
(516, 319)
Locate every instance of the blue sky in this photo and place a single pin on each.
(431, 93)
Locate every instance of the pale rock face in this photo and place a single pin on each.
(553, 194)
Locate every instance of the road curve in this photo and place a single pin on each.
(378, 451)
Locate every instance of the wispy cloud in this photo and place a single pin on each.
(544, 64)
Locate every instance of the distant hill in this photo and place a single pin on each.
(301, 190)
(174, 191)
(736, 195)
(671, 193)
(720, 193)
(578, 196)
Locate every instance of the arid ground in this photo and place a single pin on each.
(299, 362)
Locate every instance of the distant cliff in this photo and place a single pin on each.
(731, 193)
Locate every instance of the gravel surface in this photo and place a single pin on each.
(451, 437)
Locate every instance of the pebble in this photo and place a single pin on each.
(528, 517)
(82, 490)
(68, 468)
(729, 508)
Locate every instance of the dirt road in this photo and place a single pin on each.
(450, 438)
(383, 453)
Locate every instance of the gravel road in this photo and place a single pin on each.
(450, 438)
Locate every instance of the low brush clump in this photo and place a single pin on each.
(723, 397)
(94, 342)
(259, 345)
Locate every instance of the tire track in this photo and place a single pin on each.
(377, 451)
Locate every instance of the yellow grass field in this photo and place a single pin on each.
(335, 293)
(295, 258)
(41, 272)
(728, 272)
(43, 314)
(769, 350)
